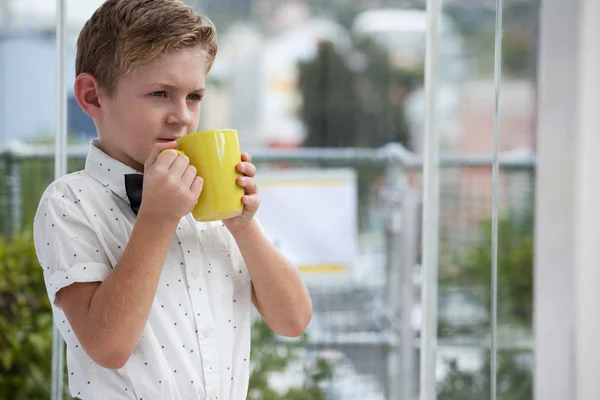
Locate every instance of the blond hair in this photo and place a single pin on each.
(124, 34)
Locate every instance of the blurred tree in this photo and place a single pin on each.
(382, 91)
(355, 100)
(25, 322)
(32, 177)
(519, 58)
(330, 107)
(515, 268)
(515, 285)
(515, 381)
(270, 355)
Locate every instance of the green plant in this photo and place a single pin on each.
(271, 355)
(515, 267)
(346, 106)
(25, 322)
(518, 51)
(330, 106)
(33, 176)
(515, 282)
(515, 381)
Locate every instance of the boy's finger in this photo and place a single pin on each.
(166, 160)
(156, 149)
(189, 175)
(196, 187)
(247, 169)
(246, 157)
(179, 164)
(248, 184)
(251, 202)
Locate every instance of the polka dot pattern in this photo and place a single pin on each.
(197, 338)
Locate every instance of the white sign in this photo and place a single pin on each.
(311, 216)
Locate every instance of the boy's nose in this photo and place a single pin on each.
(180, 114)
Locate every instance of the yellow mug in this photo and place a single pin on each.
(215, 154)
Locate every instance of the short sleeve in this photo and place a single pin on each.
(67, 247)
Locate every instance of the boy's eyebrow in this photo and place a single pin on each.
(167, 86)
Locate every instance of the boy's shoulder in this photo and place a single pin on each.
(69, 186)
(70, 190)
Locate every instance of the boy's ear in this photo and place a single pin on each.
(87, 94)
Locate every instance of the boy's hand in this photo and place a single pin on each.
(171, 187)
(250, 199)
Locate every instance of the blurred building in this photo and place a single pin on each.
(28, 97)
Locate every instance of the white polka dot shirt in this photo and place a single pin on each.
(196, 342)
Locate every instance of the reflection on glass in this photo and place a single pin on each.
(342, 73)
(465, 215)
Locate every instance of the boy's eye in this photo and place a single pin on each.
(161, 93)
(194, 97)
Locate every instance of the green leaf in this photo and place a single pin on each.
(7, 359)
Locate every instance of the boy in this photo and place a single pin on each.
(151, 303)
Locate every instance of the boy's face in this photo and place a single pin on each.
(159, 102)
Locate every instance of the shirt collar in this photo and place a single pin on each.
(108, 171)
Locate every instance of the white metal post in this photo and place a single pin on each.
(431, 161)
(495, 200)
(400, 229)
(60, 169)
(409, 245)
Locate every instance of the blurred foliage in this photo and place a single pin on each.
(34, 176)
(357, 99)
(329, 104)
(515, 307)
(515, 267)
(514, 380)
(25, 322)
(271, 355)
(518, 53)
(519, 38)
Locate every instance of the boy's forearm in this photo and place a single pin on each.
(281, 297)
(120, 306)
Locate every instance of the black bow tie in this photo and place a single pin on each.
(133, 187)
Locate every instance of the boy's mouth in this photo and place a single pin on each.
(166, 140)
